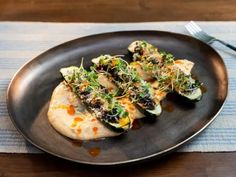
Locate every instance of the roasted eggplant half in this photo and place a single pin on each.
(172, 75)
(188, 87)
(140, 49)
(105, 107)
(129, 82)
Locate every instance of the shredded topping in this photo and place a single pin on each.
(85, 84)
(162, 66)
(127, 79)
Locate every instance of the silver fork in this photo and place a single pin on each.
(197, 32)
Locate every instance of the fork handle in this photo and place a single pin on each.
(227, 44)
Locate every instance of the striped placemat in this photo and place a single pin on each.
(20, 42)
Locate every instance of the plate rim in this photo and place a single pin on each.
(131, 161)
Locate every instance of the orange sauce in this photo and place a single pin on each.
(159, 94)
(124, 101)
(203, 89)
(113, 62)
(78, 131)
(194, 77)
(178, 62)
(136, 125)
(78, 119)
(94, 151)
(71, 110)
(131, 107)
(168, 107)
(77, 143)
(95, 130)
(93, 120)
(109, 89)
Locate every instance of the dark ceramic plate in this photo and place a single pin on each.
(32, 86)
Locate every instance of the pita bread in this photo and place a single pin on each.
(80, 125)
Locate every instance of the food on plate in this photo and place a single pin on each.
(97, 98)
(129, 83)
(69, 116)
(171, 74)
(105, 100)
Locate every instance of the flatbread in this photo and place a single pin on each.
(80, 125)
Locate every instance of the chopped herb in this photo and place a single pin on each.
(85, 84)
(168, 57)
(125, 77)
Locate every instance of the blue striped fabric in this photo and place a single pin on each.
(20, 42)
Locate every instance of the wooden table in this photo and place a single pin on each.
(176, 164)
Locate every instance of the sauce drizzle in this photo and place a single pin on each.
(78, 143)
(71, 110)
(95, 130)
(168, 107)
(136, 125)
(78, 119)
(78, 131)
(94, 151)
(203, 89)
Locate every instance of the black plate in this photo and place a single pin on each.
(31, 88)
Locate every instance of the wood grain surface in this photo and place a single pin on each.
(174, 165)
(116, 11)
